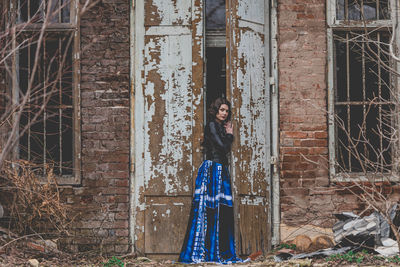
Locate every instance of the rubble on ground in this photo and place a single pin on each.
(371, 233)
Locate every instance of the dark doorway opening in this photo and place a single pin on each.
(215, 50)
(215, 73)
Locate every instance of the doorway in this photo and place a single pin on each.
(215, 56)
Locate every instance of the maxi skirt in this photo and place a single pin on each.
(210, 232)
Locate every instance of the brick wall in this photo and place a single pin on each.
(103, 197)
(303, 121)
(307, 196)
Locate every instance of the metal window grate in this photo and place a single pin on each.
(48, 117)
(363, 106)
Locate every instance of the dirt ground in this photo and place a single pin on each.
(21, 254)
(16, 259)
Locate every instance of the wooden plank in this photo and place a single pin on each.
(248, 76)
(197, 83)
(166, 219)
(253, 233)
(251, 95)
(168, 114)
(168, 121)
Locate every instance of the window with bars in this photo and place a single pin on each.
(45, 69)
(361, 87)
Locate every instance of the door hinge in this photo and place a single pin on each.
(272, 84)
(274, 162)
(272, 80)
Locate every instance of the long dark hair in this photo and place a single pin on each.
(212, 113)
(214, 108)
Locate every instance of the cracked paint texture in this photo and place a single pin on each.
(171, 93)
(250, 102)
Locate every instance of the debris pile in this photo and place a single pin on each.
(354, 233)
(370, 232)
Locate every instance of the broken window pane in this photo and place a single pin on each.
(369, 10)
(65, 16)
(383, 10)
(35, 10)
(47, 139)
(354, 11)
(340, 10)
(362, 102)
(362, 9)
(215, 14)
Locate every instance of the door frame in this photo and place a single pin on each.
(136, 32)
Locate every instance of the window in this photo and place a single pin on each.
(45, 72)
(361, 88)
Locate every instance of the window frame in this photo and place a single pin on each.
(343, 25)
(73, 27)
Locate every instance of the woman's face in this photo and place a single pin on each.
(223, 113)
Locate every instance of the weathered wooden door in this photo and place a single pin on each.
(167, 121)
(248, 84)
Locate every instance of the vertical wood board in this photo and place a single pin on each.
(168, 120)
(168, 114)
(248, 78)
(165, 223)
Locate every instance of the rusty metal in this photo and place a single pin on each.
(44, 103)
(29, 106)
(348, 93)
(380, 95)
(60, 87)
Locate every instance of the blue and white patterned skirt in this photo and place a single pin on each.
(210, 234)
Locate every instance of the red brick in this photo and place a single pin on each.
(321, 135)
(314, 143)
(298, 135)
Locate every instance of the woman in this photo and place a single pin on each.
(210, 234)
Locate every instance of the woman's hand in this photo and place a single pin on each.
(228, 127)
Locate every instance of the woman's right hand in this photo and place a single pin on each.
(228, 127)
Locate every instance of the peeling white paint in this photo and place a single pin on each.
(168, 30)
(251, 10)
(251, 83)
(162, 93)
(173, 65)
(253, 201)
(170, 14)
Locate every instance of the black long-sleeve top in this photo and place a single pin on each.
(217, 143)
